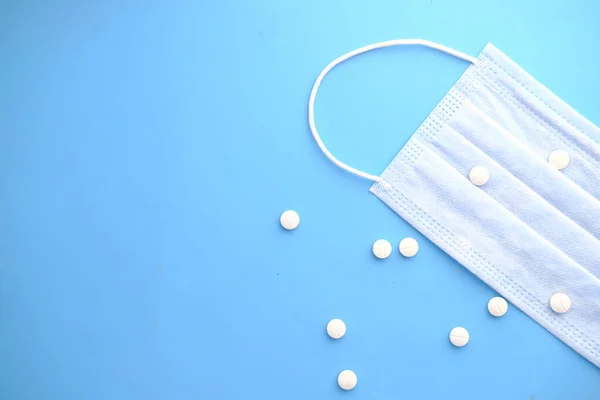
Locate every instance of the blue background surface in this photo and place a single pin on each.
(148, 149)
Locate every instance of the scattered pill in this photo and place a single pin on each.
(497, 306)
(382, 248)
(336, 328)
(459, 336)
(560, 303)
(479, 176)
(289, 219)
(408, 247)
(559, 159)
(347, 380)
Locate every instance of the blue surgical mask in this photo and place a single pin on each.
(527, 220)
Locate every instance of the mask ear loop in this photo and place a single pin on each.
(339, 60)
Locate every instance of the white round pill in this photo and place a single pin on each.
(336, 328)
(408, 247)
(459, 336)
(559, 159)
(479, 175)
(497, 306)
(347, 380)
(382, 248)
(289, 219)
(560, 303)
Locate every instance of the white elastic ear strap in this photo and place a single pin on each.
(313, 93)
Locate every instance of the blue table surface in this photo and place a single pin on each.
(148, 149)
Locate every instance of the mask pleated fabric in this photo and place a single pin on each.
(532, 230)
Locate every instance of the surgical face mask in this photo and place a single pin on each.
(505, 178)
